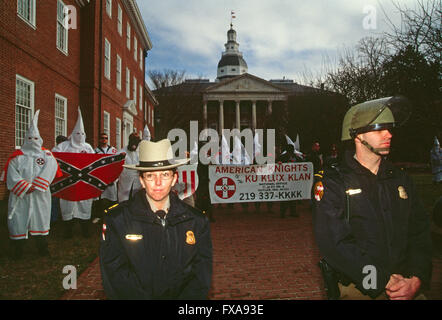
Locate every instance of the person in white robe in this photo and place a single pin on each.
(29, 173)
(129, 181)
(80, 210)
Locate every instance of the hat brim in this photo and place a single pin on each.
(138, 167)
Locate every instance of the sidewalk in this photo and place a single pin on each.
(256, 255)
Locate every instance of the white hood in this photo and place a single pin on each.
(146, 133)
(78, 136)
(32, 142)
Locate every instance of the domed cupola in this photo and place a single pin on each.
(232, 63)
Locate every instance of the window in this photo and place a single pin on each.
(152, 118)
(106, 125)
(118, 133)
(62, 30)
(24, 107)
(26, 11)
(128, 83)
(141, 98)
(141, 58)
(128, 36)
(135, 48)
(147, 111)
(60, 115)
(120, 20)
(107, 58)
(109, 8)
(118, 77)
(134, 94)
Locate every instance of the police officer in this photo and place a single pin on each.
(155, 246)
(369, 223)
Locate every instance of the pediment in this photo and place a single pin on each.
(130, 107)
(245, 83)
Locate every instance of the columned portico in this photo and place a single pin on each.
(242, 91)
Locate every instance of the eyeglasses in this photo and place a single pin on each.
(166, 175)
(103, 138)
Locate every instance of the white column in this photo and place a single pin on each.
(205, 115)
(221, 116)
(253, 115)
(238, 115)
(269, 107)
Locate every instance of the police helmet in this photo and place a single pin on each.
(375, 115)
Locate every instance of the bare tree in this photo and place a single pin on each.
(420, 28)
(166, 78)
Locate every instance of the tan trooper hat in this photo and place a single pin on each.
(156, 156)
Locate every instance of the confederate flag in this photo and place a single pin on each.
(85, 175)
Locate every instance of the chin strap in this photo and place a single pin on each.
(374, 150)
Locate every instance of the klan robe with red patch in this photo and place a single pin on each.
(30, 212)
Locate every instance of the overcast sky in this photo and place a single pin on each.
(278, 38)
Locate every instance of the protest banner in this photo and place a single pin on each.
(255, 183)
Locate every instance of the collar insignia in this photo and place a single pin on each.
(402, 193)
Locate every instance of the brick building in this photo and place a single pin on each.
(56, 55)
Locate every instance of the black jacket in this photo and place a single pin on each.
(170, 262)
(388, 227)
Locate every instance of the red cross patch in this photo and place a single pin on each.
(225, 188)
(40, 161)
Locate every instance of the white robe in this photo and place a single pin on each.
(129, 179)
(75, 209)
(111, 191)
(30, 212)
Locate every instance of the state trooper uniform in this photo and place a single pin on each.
(365, 221)
(146, 253)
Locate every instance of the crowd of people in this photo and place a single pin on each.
(156, 246)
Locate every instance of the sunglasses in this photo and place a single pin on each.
(103, 138)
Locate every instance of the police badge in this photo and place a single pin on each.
(402, 193)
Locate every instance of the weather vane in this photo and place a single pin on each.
(232, 16)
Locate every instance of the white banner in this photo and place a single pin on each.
(270, 182)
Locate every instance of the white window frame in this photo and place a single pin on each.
(64, 100)
(28, 16)
(21, 127)
(109, 8)
(134, 93)
(140, 97)
(120, 20)
(62, 29)
(141, 58)
(106, 125)
(118, 133)
(146, 112)
(152, 123)
(118, 73)
(128, 36)
(127, 83)
(135, 48)
(107, 58)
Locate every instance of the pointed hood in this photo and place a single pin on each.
(78, 135)
(436, 142)
(33, 142)
(146, 133)
(240, 155)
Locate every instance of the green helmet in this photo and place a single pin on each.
(375, 115)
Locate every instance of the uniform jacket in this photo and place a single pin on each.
(173, 261)
(387, 228)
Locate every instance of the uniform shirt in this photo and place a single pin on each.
(171, 260)
(388, 227)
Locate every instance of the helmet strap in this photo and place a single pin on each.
(374, 150)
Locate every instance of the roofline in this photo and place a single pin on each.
(133, 10)
(219, 84)
(154, 99)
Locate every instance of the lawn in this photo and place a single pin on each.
(34, 277)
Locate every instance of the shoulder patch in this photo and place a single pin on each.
(318, 190)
